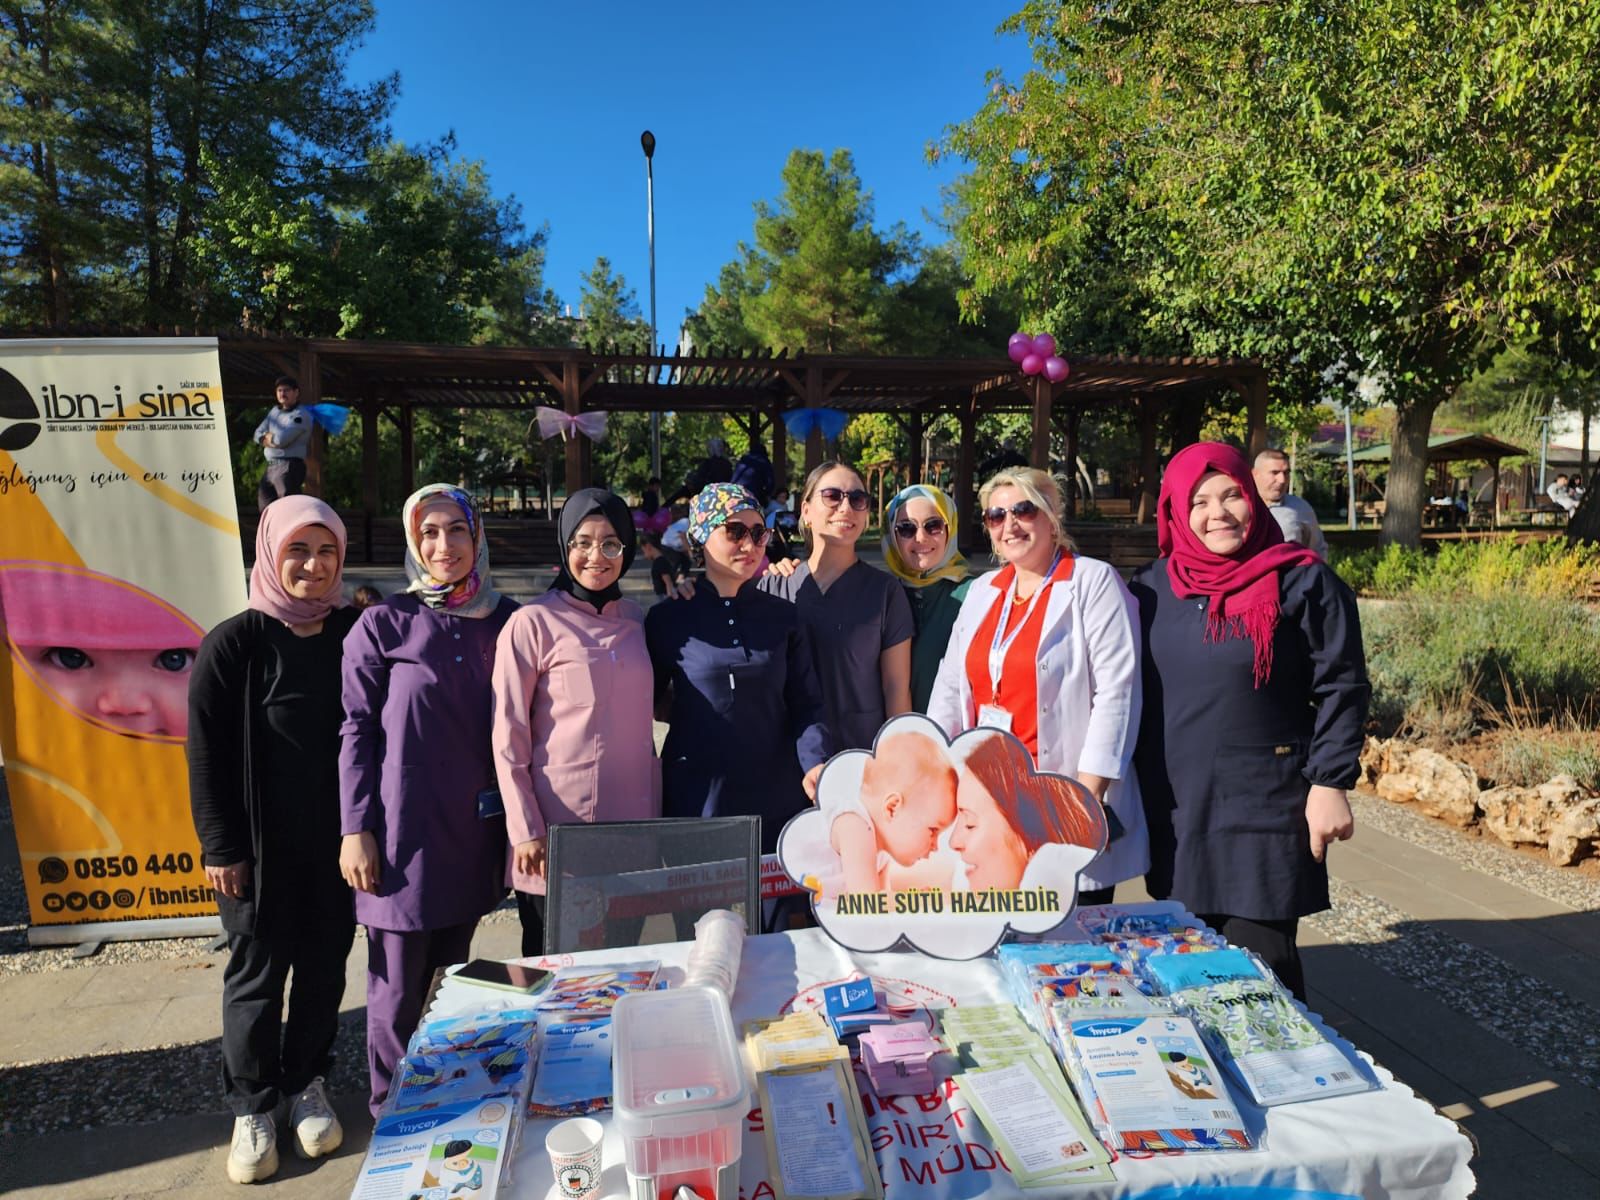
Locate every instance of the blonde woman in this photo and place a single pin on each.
(1047, 648)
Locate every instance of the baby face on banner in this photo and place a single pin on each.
(943, 846)
(102, 648)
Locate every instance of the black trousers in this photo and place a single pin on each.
(266, 1058)
(1090, 896)
(1274, 941)
(284, 477)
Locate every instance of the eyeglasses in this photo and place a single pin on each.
(834, 497)
(737, 531)
(1022, 510)
(933, 527)
(610, 547)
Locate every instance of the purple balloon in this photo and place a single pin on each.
(1019, 346)
(1044, 345)
(1056, 369)
(1032, 364)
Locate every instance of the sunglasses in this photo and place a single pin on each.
(834, 497)
(1022, 510)
(737, 531)
(610, 548)
(933, 527)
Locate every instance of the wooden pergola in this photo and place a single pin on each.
(394, 379)
(1456, 447)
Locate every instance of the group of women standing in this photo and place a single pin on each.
(464, 726)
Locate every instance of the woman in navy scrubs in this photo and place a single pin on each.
(1255, 699)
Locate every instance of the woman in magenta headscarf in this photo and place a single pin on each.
(263, 751)
(1255, 698)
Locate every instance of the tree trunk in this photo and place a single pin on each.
(1408, 472)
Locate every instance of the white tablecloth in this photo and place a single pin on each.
(1384, 1143)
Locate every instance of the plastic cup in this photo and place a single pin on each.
(574, 1148)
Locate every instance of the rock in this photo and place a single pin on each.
(1438, 786)
(1556, 815)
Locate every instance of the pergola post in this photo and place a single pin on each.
(1255, 394)
(914, 434)
(310, 376)
(965, 499)
(1494, 489)
(1074, 419)
(572, 404)
(1043, 394)
(813, 400)
(369, 465)
(1149, 463)
(408, 447)
(780, 449)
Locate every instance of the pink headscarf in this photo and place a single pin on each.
(1243, 586)
(280, 521)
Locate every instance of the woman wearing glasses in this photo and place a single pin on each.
(572, 682)
(1047, 647)
(857, 621)
(424, 846)
(733, 677)
(919, 548)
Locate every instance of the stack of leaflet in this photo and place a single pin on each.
(453, 1115)
(852, 1007)
(1254, 1026)
(575, 1034)
(800, 1038)
(898, 1059)
(1012, 1083)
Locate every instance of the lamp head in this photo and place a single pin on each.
(648, 141)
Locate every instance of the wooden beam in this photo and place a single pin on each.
(310, 376)
(369, 467)
(914, 432)
(408, 448)
(780, 449)
(966, 500)
(1255, 394)
(1074, 420)
(1149, 461)
(572, 403)
(1039, 451)
(813, 396)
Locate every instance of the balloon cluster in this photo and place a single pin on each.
(1036, 354)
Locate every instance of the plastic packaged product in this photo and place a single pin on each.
(679, 1093)
(574, 1077)
(1154, 1085)
(718, 947)
(594, 990)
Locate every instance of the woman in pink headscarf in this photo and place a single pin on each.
(1255, 698)
(264, 715)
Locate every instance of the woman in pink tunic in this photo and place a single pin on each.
(572, 700)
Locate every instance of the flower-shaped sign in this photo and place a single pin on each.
(940, 845)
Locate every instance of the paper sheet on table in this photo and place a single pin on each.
(818, 1144)
(1037, 1126)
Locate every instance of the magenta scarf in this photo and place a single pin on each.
(280, 521)
(1242, 587)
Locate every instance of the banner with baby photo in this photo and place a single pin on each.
(119, 549)
(941, 846)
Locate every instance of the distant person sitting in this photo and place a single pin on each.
(284, 435)
(1560, 492)
(1294, 516)
(668, 567)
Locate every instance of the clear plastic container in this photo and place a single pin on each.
(678, 1092)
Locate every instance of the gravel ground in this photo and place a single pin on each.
(1530, 1014)
(1576, 889)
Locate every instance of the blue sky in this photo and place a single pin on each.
(553, 97)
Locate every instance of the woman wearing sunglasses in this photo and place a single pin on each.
(857, 620)
(1257, 696)
(919, 548)
(733, 678)
(1047, 648)
(572, 681)
(424, 844)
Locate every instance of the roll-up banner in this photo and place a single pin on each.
(119, 549)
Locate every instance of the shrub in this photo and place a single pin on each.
(1473, 569)
(1529, 757)
(1432, 657)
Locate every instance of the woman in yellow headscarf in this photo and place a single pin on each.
(919, 548)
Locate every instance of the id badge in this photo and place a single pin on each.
(992, 716)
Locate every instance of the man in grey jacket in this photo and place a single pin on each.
(1294, 515)
(285, 436)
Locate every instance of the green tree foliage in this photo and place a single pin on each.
(1388, 187)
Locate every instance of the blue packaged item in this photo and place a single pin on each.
(852, 996)
(1175, 972)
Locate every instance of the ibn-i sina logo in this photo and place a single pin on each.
(19, 416)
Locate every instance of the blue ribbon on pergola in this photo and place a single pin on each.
(801, 421)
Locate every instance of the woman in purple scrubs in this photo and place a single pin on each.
(424, 837)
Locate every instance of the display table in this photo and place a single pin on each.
(1385, 1143)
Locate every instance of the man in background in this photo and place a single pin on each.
(1294, 516)
(284, 435)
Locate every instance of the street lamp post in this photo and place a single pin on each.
(648, 141)
(1349, 471)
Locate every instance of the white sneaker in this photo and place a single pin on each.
(254, 1155)
(316, 1128)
